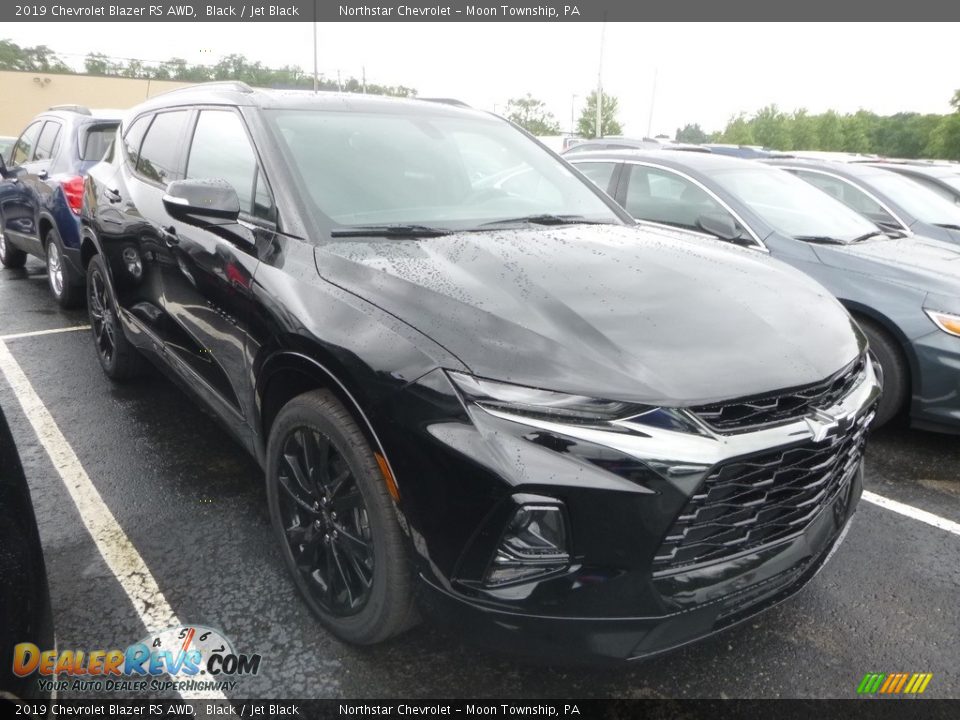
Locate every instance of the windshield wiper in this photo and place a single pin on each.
(871, 234)
(389, 231)
(822, 239)
(948, 226)
(544, 219)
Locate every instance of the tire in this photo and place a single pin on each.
(351, 568)
(896, 373)
(118, 357)
(64, 286)
(10, 257)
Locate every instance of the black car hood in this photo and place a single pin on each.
(610, 311)
(916, 261)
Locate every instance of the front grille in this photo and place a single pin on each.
(750, 413)
(750, 502)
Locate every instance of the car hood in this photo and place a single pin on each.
(618, 312)
(915, 261)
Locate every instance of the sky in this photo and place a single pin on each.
(689, 72)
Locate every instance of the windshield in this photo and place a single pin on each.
(448, 171)
(793, 206)
(923, 204)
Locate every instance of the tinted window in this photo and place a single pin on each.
(133, 137)
(933, 186)
(160, 152)
(96, 141)
(23, 150)
(48, 141)
(600, 173)
(660, 196)
(915, 199)
(850, 196)
(222, 151)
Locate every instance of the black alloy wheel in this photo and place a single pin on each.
(118, 358)
(336, 521)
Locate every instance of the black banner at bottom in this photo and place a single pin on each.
(874, 708)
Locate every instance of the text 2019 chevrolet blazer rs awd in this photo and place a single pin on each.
(468, 376)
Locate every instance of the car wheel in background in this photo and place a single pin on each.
(118, 357)
(64, 287)
(10, 257)
(336, 521)
(896, 373)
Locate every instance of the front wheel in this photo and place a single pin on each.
(896, 373)
(336, 522)
(10, 257)
(118, 357)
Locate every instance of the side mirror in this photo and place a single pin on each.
(3, 166)
(720, 225)
(202, 202)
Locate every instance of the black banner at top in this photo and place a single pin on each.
(474, 11)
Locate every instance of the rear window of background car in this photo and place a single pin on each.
(160, 151)
(96, 141)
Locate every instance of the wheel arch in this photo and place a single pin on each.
(289, 373)
(865, 312)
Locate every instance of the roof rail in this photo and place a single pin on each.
(444, 101)
(81, 109)
(235, 85)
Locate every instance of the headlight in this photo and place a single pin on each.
(945, 321)
(542, 404)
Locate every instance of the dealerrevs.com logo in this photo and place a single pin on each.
(186, 657)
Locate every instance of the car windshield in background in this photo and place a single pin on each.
(951, 180)
(916, 199)
(793, 206)
(96, 141)
(454, 172)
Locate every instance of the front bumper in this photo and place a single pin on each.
(631, 589)
(936, 400)
(785, 570)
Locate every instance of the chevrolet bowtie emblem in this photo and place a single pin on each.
(822, 424)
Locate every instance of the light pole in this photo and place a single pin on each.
(599, 127)
(316, 81)
(653, 102)
(573, 104)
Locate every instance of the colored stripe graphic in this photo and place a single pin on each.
(894, 683)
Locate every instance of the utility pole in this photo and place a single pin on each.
(653, 102)
(573, 103)
(339, 84)
(363, 75)
(316, 80)
(599, 128)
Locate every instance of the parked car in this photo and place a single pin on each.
(944, 180)
(883, 197)
(6, 144)
(904, 291)
(617, 142)
(572, 435)
(41, 189)
(25, 615)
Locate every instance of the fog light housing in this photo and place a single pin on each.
(535, 543)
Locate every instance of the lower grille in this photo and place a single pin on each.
(749, 502)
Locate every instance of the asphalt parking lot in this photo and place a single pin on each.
(192, 504)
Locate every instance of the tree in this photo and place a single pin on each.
(803, 133)
(587, 124)
(691, 134)
(739, 131)
(770, 128)
(31, 59)
(532, 115)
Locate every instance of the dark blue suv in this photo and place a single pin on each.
(41, 192)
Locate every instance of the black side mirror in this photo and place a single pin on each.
(720, 225)
(202, 202)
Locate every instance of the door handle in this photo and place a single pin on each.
(113, 195)
(170, 236)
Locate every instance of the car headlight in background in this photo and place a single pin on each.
(945, 321)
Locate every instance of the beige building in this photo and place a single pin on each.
(24, 94)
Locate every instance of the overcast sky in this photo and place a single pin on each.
(705, 72)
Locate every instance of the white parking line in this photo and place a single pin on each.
(36, 333)
(119, 553)
(911, 512)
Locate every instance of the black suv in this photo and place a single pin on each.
(41, 190)
(466, 372)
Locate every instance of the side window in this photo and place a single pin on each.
(660, 196)
(938, 189)
(49, 141)
(851, 196)
(599, 173)
(132, 139)
(221, 150)
(23, 150)
(160, 151)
